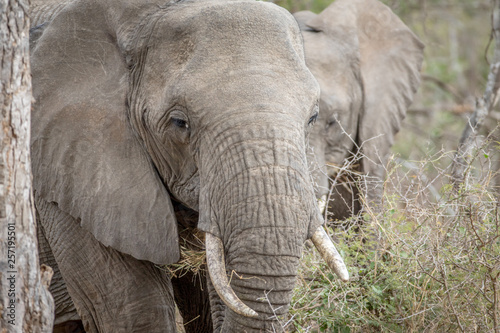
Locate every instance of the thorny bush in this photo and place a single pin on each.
(434, 268)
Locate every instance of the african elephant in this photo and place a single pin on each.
(155, 117)
(367, 63)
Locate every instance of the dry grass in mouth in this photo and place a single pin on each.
(191, 261)
(193, 257)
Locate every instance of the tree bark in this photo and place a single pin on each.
(25, 302)
(484, 105)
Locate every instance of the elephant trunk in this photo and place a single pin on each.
(274, 297)
(257, 199)
(263, 281)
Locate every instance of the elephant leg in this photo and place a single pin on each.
(195, 309)
(66, 319)
(112, 291)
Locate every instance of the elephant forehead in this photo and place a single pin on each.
(226, 28)
(219, 53)
(237, 19)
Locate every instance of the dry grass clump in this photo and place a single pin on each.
(437, 263)
(191, 261)
(193, 257)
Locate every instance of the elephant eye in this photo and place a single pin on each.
(313, 119)
(180, 123)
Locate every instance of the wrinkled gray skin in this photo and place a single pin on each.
(148, 114)
(367, 63)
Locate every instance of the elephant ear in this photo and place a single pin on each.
(86, 157)
(390, 61)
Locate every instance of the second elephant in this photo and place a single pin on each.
(367, 62)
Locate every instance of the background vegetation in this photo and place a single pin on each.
(437, 268)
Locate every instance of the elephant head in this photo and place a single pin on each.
(207, 103)
(367, 62)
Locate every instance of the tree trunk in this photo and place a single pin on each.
(25, 303)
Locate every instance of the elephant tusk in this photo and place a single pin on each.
(325, 247)
(322, 204)
(217, 271)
